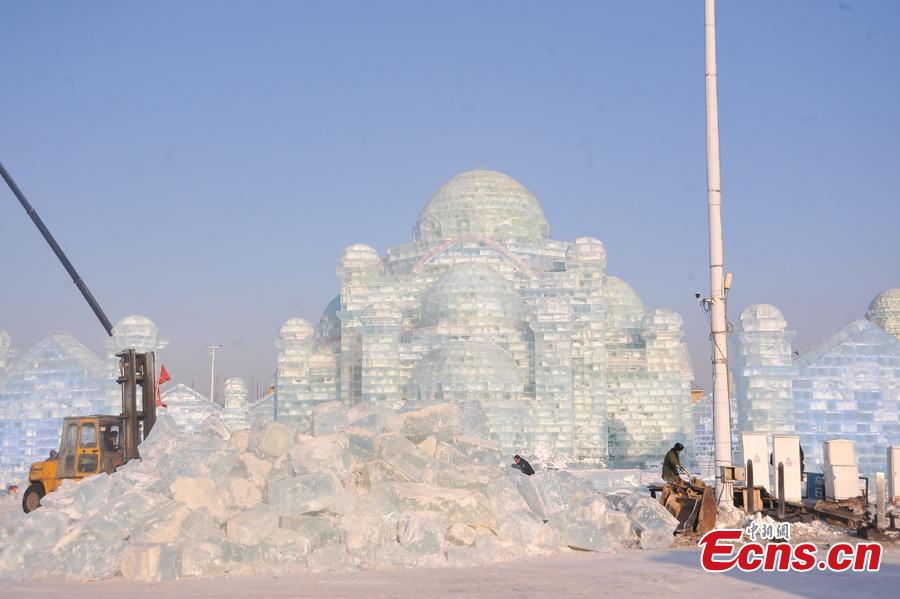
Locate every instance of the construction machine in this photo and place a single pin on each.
(98, 443)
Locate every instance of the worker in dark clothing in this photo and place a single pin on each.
(523, 465)
(672, 464)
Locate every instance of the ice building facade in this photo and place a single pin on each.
(847, 386)
(55, 378)
(189, 408)
(484, 309)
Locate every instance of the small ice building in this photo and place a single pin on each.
(187, 407)
(847, 386)
(57, 377)
(483, 308)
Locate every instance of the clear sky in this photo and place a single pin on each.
(204, 163)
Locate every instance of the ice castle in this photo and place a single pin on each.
(484, 309)
(847, 386)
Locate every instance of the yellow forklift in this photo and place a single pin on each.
(93, 444)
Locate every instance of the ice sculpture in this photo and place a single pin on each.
(763, 371)
(847, 386)
(188, 407)
(235, 411)
(483, 308)
(885, 311)
(58, 377)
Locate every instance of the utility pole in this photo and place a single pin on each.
(721, 407)
(212, 370)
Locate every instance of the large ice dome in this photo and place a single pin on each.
(482, 202)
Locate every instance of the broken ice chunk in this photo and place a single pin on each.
(150, 562)
(655, 523)
(92, 560)
(276, 440)
(253, 526)
(328, 418)
(321, 454)
(422, 533)
(442, 421)
(306, 493)
(401, 456)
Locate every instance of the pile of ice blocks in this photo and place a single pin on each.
(368, 488)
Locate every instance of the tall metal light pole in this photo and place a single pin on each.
(721, 407)
(212, 370)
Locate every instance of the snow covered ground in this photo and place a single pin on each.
(629, 574)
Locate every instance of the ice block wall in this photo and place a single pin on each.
(848, 387)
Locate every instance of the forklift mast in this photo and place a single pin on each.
(136, 369)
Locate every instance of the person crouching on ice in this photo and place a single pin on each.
(523, 465)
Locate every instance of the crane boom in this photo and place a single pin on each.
(76, 278)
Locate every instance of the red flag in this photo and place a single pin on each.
(163, 378)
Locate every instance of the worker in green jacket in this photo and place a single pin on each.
(672, 464)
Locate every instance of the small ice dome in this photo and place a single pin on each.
(461, 370)
(621, 295)
(662, 321)
(296, 329)
(472, 294)
(138, 332)
(381, 313)
(762, 318)
(885, 311)
(586, 249)
(359, 255)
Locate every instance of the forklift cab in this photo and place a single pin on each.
(89, 445)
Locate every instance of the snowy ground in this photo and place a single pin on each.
(629, 574)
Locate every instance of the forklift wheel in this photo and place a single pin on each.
(32, 498)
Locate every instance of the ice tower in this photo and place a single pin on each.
(483, 308)
(235, 412)
(763, 371)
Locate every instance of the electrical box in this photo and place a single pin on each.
(840, 452)
(893, 473)
(755, 448)
(786, 450)
(841, 482)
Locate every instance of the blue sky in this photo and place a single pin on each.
(204, 163)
